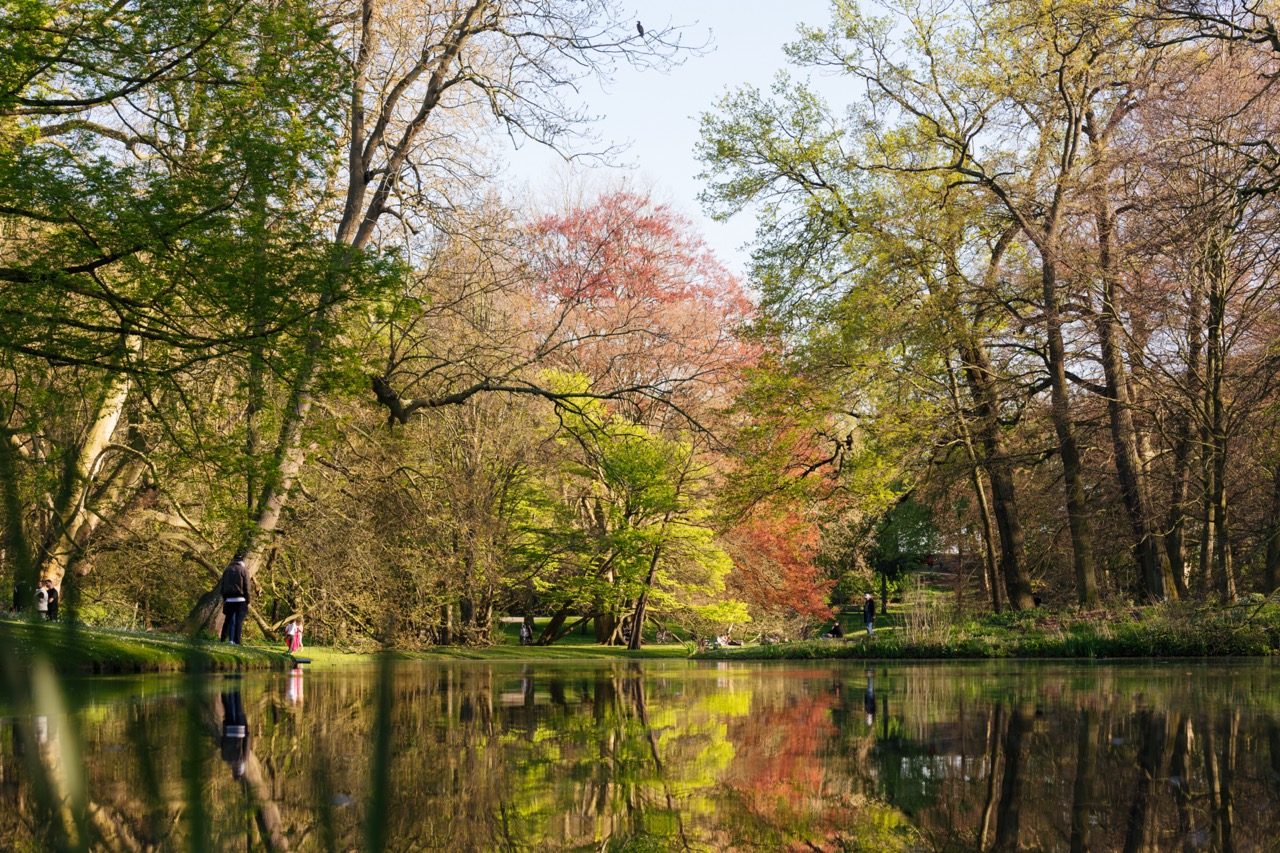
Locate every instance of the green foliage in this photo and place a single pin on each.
(623, 514)
(906, 536)
(1156, 632)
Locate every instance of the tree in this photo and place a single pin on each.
(135, 146)
(417, 81)
(775, 570)
(883, 278)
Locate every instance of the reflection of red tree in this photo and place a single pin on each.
(774, 557)
(781, 754)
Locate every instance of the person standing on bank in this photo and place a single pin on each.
(42, 600)
(235, 600)
(53, 600)
(869, 613)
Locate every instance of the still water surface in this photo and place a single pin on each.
(657, 756)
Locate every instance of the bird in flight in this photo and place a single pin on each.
(640, 29)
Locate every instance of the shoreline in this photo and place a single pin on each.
(75, 649)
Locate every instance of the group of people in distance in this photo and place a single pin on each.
(234, 588)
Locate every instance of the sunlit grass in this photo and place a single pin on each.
(76, 649)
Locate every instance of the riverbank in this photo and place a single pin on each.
(1161, 631)
(1153, 632)
(77, 649)
(106, 651)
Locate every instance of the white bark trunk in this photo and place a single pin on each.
(74, 511)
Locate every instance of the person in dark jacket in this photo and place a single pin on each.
(234, 587)
(54, 598)
(869, 613)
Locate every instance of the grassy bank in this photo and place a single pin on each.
(905, 633)
(1153, 632)
(73, 649)
(78, 649)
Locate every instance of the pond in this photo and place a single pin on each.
(652, 756)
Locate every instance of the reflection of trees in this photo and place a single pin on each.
(1012, 786)
(1130, 762)
(1086, 773)
(1141, 820)
(602, 757)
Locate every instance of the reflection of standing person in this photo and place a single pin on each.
(869, 613)
(235, 600)
(869, 700)
(235, 733)
(53, 601)
(293, 688)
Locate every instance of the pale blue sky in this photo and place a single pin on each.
(658, 113)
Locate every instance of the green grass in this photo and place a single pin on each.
(76, 649)
(1160, 631)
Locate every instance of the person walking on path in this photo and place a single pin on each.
(869, 613)
(235, 600)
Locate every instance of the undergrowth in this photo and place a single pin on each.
(1158, 631)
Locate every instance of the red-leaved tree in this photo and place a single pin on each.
(644, 302)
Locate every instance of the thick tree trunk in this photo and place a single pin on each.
(979, 376)
(1153, 564)
(637, 623)
(1271, 578)
(16, 545)
(71, 508)
(1208, 539)
(606, 628)
(1068, 450)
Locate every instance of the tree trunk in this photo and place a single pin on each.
(606, 625)
(1208, 541)
(1179, 511)
(1271, 579)
(1004, 499)
(637, 622)
(16, 545)
(990, 557)
(1153, 564)
(71, 509)
(1068, 450)
(1215, 407)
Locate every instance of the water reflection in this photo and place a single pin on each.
(657, 757)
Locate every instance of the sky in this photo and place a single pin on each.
(656, 113)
